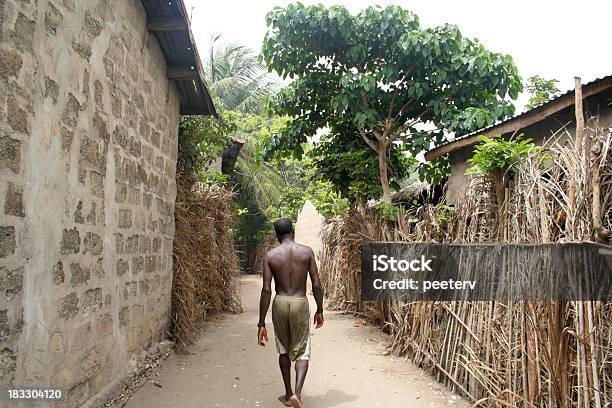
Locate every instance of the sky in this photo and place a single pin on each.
(556, 39)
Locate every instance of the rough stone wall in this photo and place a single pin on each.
(308, 227)
(88, 146)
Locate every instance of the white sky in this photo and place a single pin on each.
(553, 38)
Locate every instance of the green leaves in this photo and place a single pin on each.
(541, 90)
(377, 71)
(497, 153)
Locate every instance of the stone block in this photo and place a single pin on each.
(71, 111)
(92, 26)
(67, 135)
(135, 147)
(122, 267)
(125, 218)
(145, 244)
(99, 124)
(53, 19)
(155, 138)
(10, 63)
(23, 32)
(92, 299)
(119, 243)
(131, 245)
(51, 89)
(97, 184)
(57, 343)
(11, 281)
(130, 290)
(157, 244)
(79, 274)
(7, 241)
(134, 196)
(137, 265)
(78, 213)
(4, 326)
(143, 287)
(58, 273)
(8, 365)
(99, 93)
(120, 193)
(124, 317)
(150, 264)
(10, 154)
(71, 241)
(99, 268)
(91, 216)
(68, 306)
(82, 48)
(13, 204)
(16, 117)
(104, 325)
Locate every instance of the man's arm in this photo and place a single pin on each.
(317, 290)
(266, 292)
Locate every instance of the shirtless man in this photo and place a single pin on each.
(290, 264)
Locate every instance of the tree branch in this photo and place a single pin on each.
(370, 142)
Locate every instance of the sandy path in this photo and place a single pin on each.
(227, 368)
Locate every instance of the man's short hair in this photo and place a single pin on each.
(283, 226)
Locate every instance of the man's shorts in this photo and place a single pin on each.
(291, 318)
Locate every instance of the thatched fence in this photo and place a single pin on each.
(206, 277)
(501, 354)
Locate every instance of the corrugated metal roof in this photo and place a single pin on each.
(179, 49)
(538, 113)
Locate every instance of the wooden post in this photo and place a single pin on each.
(579, 117)
(578, 146)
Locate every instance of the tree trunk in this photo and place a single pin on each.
(383, 171)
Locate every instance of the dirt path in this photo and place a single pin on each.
(228, 369)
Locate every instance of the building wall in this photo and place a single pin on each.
(308, 227)
(88, 147)
(560, 127)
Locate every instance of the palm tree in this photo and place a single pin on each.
(237, 79)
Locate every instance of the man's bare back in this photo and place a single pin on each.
(290, 264)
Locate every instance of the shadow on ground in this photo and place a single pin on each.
(332, 398)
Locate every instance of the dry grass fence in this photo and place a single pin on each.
(206, 277)
(499, 354)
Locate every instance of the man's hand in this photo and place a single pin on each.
(318, 320)
(262, 336)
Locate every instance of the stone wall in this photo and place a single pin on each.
(308, 228)
(88, 145)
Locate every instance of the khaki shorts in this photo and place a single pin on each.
(291, 318)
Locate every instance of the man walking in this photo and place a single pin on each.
(290, 264)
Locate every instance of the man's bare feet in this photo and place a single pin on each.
(285, 401)
(295, 401)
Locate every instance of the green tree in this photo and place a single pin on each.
(201, 141)
(540, 91)
(237, 78)
(378, 76)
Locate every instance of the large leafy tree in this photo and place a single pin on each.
(380, 78)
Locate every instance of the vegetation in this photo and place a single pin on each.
(498, 154)
(540, 91)
(201, 141)
(237, 79)
(375, 80)
(496, 158)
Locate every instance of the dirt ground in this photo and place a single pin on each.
(227, 368)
